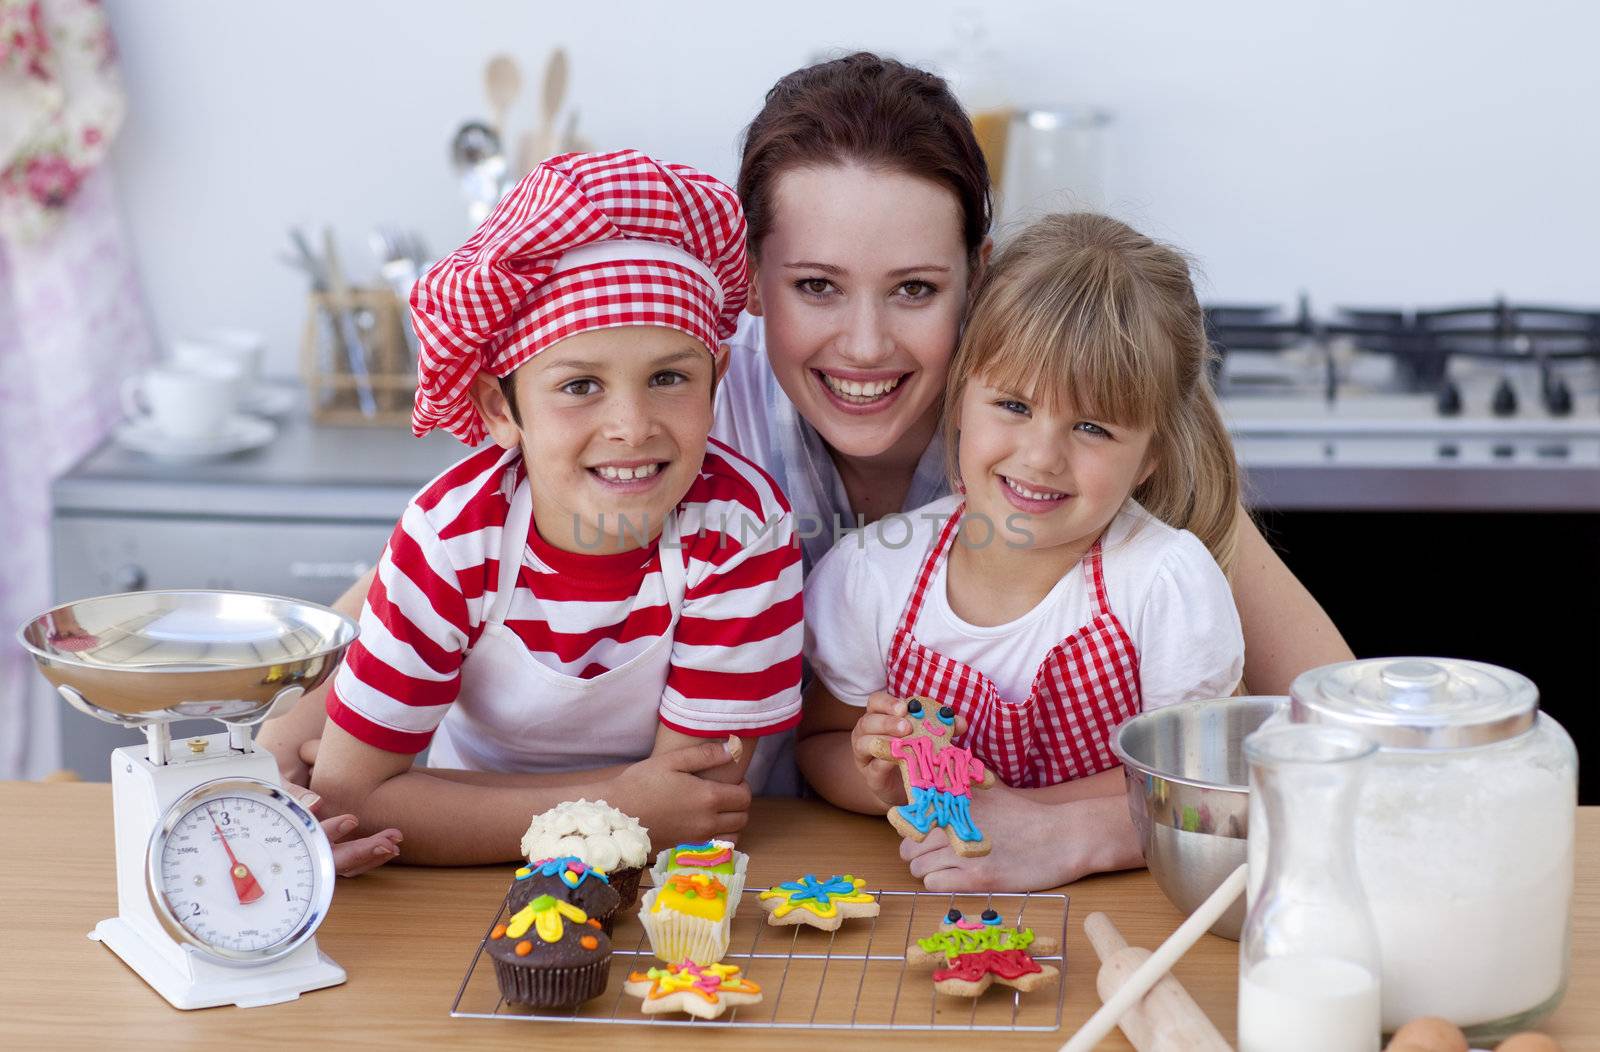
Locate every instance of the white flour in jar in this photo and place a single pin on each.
(1467, 864)
(1466, 859)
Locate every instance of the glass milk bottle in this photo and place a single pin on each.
(1464, 835)
(1308, 956)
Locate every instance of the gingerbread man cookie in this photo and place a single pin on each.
(972, 955)
(704, 991)
(824, 904)
(939, 777)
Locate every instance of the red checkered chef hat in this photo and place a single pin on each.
(585, 241)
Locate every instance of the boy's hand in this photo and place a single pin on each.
(296, 771)
(1022, 859)
(666, 793)
(885, 717)
(357, 856)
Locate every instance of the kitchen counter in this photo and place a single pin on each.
(368, 473)
(406, 936)
(307, 472)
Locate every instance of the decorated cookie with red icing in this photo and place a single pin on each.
(970, 955)
(939, 775)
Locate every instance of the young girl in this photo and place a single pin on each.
(1071, 581)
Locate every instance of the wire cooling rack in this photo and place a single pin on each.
(853, 979)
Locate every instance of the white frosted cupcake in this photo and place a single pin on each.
(597, 834)
(716, 857)
(688, 918)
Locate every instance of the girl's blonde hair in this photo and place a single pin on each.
(1083, 310)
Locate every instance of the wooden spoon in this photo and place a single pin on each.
(535, 146)
(502, 81)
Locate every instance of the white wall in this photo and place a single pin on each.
(1374, 152)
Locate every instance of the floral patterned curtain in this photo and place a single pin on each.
(72, 324)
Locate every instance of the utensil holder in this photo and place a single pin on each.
(325, 359)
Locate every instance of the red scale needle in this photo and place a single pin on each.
(245, 885)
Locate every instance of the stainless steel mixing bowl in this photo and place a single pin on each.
(1188, 792)
(148, 657)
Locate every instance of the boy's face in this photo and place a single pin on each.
(613, 432)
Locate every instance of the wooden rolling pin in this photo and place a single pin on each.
(1166, 1019)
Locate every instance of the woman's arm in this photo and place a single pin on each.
(1285, 631)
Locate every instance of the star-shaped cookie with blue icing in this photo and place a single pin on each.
(824, 904)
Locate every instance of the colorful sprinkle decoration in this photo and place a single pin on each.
(571, 869)
(818, 896)
(544, 915)
(708, 854)
(708, 981)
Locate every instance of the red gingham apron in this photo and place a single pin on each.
(1086, 685)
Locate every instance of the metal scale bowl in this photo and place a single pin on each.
(222, 876)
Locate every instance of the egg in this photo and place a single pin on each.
(1528, 1041)
(1428, 1034)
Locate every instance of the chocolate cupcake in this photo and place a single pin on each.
(550, 955)
(598, 835)
(569, 879)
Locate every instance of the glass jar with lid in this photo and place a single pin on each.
(1464, 835)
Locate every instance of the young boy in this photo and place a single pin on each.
(576, 609)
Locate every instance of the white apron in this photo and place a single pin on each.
(514, 713)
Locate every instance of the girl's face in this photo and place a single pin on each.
(1045, 477)
(862, 280)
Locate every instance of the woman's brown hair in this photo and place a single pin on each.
(870, 110)
(1085, 311)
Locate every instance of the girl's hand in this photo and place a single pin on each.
(885, 717)
(357, 856)
(1021, 859)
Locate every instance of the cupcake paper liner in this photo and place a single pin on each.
(675, 936)
(537, 987)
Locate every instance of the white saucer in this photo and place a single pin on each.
(238, 434)
(270, 400)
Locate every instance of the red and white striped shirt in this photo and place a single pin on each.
(735, 662)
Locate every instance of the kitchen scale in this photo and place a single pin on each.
(222, 876)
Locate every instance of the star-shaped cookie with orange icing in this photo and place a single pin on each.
(704, 991)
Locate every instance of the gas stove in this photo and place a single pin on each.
(1492, 406)
(1499, 386)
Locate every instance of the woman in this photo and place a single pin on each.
(868, 205)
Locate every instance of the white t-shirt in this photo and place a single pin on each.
(1161, 583)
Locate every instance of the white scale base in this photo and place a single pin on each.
(194, 982)
(187, 978)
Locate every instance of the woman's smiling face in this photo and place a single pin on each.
(862, 281)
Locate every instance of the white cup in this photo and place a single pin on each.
(183, 403)
(237, 349)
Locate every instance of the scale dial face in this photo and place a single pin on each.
(241, 870)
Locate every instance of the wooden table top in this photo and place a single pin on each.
(406, 936)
